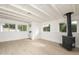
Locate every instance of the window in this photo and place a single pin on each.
(74, 26)
(29, 26)
(8, 27)
(22, 27)
(12, 26)
(46, 28)
(5, 26)
(63, 27)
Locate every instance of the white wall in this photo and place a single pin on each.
(54, 34)
(7, 36)
(77, 35)
(35, 28)
(37, 31)
(0, 27)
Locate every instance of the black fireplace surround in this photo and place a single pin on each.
(68, 42)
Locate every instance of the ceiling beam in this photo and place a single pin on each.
(74, 8)
(12, 13)
(27, 11)
(28, 16)
(12, 18)
(39, 9)
(58, 11)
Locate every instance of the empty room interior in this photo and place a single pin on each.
(39, 29)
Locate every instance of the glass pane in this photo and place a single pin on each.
(46, 28)
(22, 27)
(8, 27)
(74, 27)
(62, 27)
(5, 26)
(12, 26)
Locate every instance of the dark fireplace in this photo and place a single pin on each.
(68, 42)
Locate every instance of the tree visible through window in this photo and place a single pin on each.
(46, 28)
(22, 27)
(63, 27)
(8, 27)
(74, 27)
(12, 26)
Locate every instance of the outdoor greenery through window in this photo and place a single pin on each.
(9, 27)
(22, 27)
(46, 28)
(63, 27)
(74, 27)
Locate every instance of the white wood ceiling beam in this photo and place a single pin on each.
(13, 17)
(27, 11)
(39, 9)
(75, 15)
(13, 14)
(2, 16)
(74, 8)
(28, 16)
(58, 11)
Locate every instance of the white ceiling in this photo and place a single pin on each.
(37, 12)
